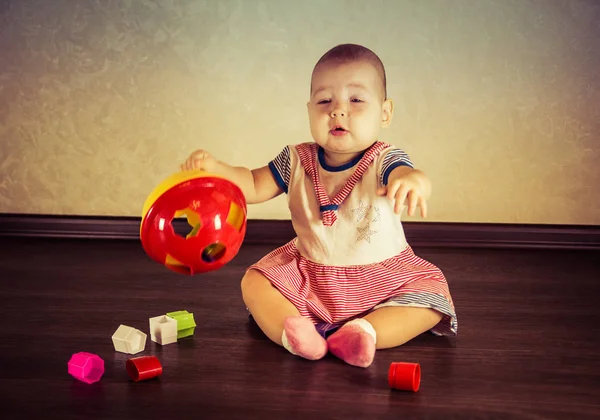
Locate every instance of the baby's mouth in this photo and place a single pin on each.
(338, 131)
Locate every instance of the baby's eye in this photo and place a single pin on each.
(324, 101)
(356, 100)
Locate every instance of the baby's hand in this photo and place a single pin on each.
(200, 160)
(406, 188)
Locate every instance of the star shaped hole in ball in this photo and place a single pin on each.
(186, 223)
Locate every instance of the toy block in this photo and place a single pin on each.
(185, 323)
(404, 376)
(87, 367)
(143, 368)
(129, 340)
(163, 330)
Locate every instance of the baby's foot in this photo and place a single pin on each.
(302, 339)
(354, 343)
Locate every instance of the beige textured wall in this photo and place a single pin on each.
(499, 101)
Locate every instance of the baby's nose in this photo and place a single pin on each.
(337, 112)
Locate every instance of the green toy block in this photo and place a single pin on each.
(185, 323)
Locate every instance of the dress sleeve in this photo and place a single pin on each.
(280, 168)
(392, 159)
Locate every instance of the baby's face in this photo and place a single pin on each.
(347, 109)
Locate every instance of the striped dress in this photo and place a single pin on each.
(350, 255)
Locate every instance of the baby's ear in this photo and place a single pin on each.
(387, 112)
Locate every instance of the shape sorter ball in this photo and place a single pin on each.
(216, 211)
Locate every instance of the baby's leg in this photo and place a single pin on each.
(396, 325)
(279, 319)
(355, 342)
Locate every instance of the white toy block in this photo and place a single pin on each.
(163, 330)
(129, 340)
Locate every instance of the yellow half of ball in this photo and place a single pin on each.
(173, 180)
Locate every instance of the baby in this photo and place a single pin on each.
(349, 283)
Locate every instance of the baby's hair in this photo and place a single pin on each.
(344, 53)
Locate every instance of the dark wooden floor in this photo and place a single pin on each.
(528, 344)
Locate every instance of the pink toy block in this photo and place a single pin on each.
(87, 367)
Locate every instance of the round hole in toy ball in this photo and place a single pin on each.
(213, 252)
(194, 222)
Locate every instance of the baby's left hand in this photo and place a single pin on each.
(407, 189)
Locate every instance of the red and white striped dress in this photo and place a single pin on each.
(350, 255)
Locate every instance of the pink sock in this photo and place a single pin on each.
(302, 339)
(354, 343)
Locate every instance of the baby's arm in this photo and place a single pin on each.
(406, 184)
(258, 185)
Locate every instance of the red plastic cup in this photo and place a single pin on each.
(404, 376)
(143, 367)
